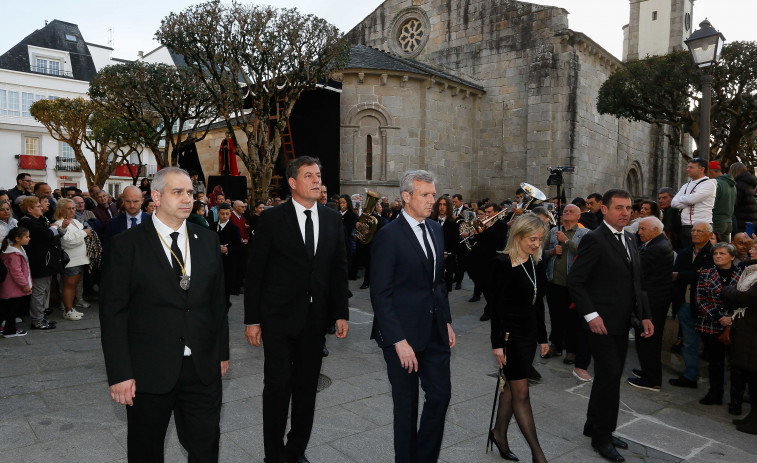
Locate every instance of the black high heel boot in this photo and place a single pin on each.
(506, 454)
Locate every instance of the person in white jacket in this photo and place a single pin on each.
(72, 241)
(695, 199)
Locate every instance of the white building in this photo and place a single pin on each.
(51, 62)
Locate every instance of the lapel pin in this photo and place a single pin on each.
(195, 236)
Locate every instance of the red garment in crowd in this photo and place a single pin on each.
(240, 223)
(233, 170)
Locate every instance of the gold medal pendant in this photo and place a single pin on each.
(184, 282)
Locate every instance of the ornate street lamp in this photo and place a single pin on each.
(705, 44)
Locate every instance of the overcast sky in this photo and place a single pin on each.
(134, 22)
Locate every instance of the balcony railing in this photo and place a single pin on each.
(52, 72)
(31, 162)
(67, 164)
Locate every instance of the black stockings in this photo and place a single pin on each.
(514, 400)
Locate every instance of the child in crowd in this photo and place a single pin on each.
(17, 286)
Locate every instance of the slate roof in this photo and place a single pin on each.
(365, 57)
(52, 36)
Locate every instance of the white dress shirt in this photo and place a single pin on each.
(222, 225)
(165, 232)
(419, 235)
(301, 218)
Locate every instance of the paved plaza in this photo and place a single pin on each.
(55, 406)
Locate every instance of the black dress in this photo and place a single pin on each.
(511, 293)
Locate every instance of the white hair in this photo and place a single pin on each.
(709, 226)
(655, 223)
(407, 179)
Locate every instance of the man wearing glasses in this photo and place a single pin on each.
(695, 199)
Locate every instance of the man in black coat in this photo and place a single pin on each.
(165, 332)
(656, 280)
(605, 283)
(296, 286)
(231, 249)
(487, 243)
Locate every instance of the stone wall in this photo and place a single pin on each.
(539, 110)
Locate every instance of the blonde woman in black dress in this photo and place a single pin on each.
(518, 287)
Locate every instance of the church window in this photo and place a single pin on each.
(654, 16)
(369, 158)
(411, 35)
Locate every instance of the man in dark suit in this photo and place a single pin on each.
(132, 199)
(165, 331)
(412, 321)
(231, 249)
(656, 280)
(104, 211)
(605, 283)
(296, 286)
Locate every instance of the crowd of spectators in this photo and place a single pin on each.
(696, 245)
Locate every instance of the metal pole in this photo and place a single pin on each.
(704, 124)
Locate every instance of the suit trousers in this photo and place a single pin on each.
(716, 360)
(291, 369)
(421, 444)
(690, 348)
(609, 351)
(650, 349)
(563, 321)
(197, 413)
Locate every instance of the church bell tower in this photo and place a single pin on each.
(656, 27)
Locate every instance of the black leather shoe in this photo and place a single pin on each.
(325, 352)
(734, 409)
(364, 286)
(569, 359)
(745, 420)
(636, 372)
(458, 286)
(474, 299)
(711, 400)
(608, 452)
(682, 382)
(504, 453)
(621, 444)
(301, 459)
(485, 317)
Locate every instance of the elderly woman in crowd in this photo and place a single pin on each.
(7, 222)
(148, 206)
(743, 349)
(198, 214)
(714, 315)
(73, 235)
(648, 208)
(44, 259)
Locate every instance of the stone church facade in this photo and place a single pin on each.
(487, 94)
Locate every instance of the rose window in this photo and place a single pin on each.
(411, 35)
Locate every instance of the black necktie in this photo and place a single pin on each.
(620, 240)
(429, 254)
(133, 222)
(176, 257)
(309, 235)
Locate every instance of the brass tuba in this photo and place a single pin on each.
(366, 224)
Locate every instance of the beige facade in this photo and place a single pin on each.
(515, 94)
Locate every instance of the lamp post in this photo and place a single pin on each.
(705, 44)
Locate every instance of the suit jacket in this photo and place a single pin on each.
(404, 295)
(688, 268)
(282, 279)
(146, 318)
(103, 216)
(118, 224)
(602, 280)
(451, 234)
(231, 238)
(657, 271)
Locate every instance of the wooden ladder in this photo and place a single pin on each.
(287, 144)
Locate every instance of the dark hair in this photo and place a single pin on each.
(448, 202)
(614, 193)
(580, 202)
(21, 176)
(495, 206)
(37, 186)
(293, 168)
(17, 232)
(258, 203)
(596, 196)
(146, 202)
(702, 162)
(520, 191)
(223, 207)
(654, 206)
(145, 179)
(197, 205)
(346, 198)
(667, 190)
(3, 192)
(458, 196)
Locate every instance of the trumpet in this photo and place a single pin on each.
(478, 226)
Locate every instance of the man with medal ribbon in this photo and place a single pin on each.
(164, 324)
